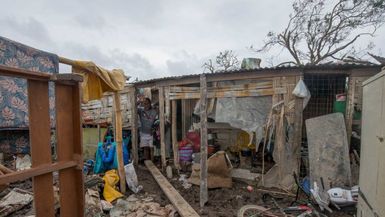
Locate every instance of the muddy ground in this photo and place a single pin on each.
(222, 202)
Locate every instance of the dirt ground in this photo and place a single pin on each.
(222, 202)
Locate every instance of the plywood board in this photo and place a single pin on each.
(328, 151)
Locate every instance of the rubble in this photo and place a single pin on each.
(14, 200)
(135, 207)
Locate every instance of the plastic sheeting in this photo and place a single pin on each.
(246, 113)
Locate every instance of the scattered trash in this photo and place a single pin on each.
(184, 181)
(131, 178)
(135, 207)
(342, 197)
(120, 209)
(302, 208)
(106, 206)
(88, 166)
(93, 205)
(23, 163)
(322, 203)
(250, 188)
(169, 172)
(110, 193)
(14, 200)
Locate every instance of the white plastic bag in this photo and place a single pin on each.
(131, 178)
(301, 91)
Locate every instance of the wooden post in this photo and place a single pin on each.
(184, 117)
(39, 134)
(203, 115)
(118, 140)
(99, 133)
(162, 131)
(350, 107)
(134, 126)
(174, 135)
(69, 148)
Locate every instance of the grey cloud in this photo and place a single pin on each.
(91, 21)
(184, 63)
(30, 29)
(134, 65)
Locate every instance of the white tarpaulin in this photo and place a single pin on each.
(246, 113)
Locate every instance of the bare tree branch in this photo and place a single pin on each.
(317, 32)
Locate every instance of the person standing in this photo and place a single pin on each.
(147, 117)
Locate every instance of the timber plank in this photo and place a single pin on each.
(69, 147)
(162, 127)
(118, 140)
(203, 198)
(180, 204)
(134, 125)
(174, 134)
(40, 136)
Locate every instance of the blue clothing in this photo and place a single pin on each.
(106, 158)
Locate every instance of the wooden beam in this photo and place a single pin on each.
(174, 138)
(180, 204)
(261, 74)
(36, 171)
(22, 73)
(40, 141)
(66, 61)
(297, 134)
(222, 94)
(183, 116)
(203, 196)
(118, 140)
(5, 170)
(69, 144)
(350, 107)
(161, 126)
(134, 125)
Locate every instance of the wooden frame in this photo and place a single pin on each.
(69, 146)
(203, 86)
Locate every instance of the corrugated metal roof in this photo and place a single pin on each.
(336, 66)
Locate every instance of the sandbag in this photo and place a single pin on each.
(131, 178)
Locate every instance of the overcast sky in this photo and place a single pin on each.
(147, 39)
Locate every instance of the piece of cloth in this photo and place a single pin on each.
(105, 158)
(110, 193)
(146, 140)
(97, 80)
(147, 119)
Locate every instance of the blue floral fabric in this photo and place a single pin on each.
(13, 91)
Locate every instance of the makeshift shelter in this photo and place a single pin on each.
(259, 101)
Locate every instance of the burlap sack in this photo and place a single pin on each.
(219, 172)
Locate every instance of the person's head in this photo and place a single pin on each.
(147, 103)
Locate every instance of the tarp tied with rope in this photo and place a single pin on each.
(98, 80)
